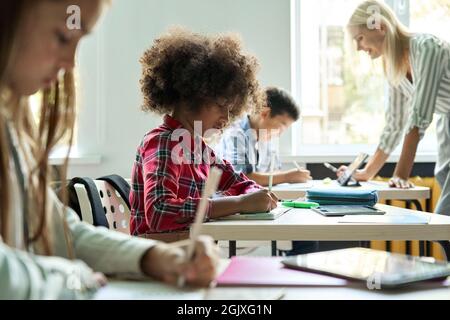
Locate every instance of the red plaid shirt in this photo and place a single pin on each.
(164, 192)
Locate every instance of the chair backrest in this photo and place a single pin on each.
(114, 206)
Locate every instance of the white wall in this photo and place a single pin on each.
(110, 121)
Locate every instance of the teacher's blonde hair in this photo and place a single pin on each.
(372, 14)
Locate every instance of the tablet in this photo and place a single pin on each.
(379, 269)
(346, 179)
(346, 210)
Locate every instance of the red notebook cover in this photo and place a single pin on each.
(262, 271)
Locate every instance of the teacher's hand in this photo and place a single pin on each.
(358, 175)
(397, 182)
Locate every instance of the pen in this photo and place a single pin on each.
(329, 166)
(272, 164)
(297, 165)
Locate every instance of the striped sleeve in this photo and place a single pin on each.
(396, 116)
(428, 71)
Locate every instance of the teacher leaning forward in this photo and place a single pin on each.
(417, 67)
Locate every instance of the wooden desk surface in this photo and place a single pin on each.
(295, 191)
(303, 224)
(135, 290)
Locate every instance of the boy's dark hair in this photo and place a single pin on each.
(187, 69)
(280, 102)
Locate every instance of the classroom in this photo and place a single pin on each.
(224, 150)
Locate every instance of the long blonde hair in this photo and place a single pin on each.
(56, 120)
(396, 43)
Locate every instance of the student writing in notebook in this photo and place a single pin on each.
(46, 252)
(198, 83)
(248, 144)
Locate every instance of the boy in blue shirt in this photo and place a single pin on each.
(250, 144)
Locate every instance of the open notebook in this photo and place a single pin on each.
(272, 215)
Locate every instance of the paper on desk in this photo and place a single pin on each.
(409, 218)
(146, 290)
(293, 186)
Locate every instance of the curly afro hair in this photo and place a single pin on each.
(188, 69)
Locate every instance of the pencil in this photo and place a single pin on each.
(329, 166)
(209, 189)
(297, 165)
(272, 164)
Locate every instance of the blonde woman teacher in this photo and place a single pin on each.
(417, 67)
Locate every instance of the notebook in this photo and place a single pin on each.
(269, 271)
(293, 186)
(272, 215)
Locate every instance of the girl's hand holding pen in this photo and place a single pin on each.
(167, 262)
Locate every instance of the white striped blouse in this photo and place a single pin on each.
(414, 104)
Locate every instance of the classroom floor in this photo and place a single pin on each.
(247, 248)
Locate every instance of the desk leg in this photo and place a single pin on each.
(428, 248)
(364, 244)
(232, 248)
(416, 203)
(422, 244)
(274, 248)
(408, 243)
(388, 243)
(422, 248)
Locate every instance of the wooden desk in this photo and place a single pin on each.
(301, 224)
(131, 290)
(138, 290)
(410, 196)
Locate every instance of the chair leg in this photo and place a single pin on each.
(274, 248)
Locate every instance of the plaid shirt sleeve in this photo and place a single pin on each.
(165, 211)
(233, 183)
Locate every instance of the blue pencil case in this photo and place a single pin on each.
(347, 197)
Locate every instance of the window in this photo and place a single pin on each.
(342, 92)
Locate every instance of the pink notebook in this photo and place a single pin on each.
(262, 271)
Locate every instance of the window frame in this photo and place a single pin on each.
(333, 152)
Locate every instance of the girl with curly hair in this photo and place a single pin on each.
(199, 83)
